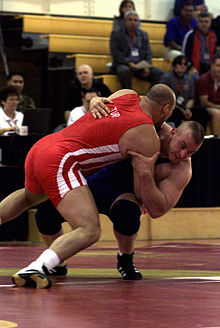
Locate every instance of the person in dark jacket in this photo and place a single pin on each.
(132, 54)
(81, 84)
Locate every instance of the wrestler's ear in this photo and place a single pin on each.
(173, 131)
(166, 109)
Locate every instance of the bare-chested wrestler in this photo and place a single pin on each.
(57, 164)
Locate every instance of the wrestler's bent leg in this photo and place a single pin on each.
(17, 202)
(79, 209)
(125, 214)
(49, 223)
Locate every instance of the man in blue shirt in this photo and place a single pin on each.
(176, 29)
(198, 6)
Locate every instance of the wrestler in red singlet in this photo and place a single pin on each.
(58, 162)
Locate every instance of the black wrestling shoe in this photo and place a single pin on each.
(60, 270)
(126, 267)
(31, 278)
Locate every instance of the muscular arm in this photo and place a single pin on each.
(159, 198)
(143, 140)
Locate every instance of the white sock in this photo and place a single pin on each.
(48, 258)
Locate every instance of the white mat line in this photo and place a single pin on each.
(5, 286)
(80, 283)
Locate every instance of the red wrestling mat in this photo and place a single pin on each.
(180, 289)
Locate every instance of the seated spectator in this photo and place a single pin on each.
(78, 112)
(10, 119)
(118, 21)
(198, 6)
(199, 45)
(176, 29)
(132, 54)
(207, 94)
(216, 28)
(83, 82)
(183, 87)
(16, 79)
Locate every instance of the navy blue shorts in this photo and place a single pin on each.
(109, 183)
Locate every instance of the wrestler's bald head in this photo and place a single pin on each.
(161, 102)
(162, 95)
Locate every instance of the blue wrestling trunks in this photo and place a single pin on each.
(106, 185)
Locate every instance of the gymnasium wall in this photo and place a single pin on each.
(159, 10)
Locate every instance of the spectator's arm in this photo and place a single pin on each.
(189, 104)
(206, 103)
(146, 51)
(11, 128)
(170, 38)
(32, 103)
(174, 45)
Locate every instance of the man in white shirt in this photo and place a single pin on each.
(78, 112)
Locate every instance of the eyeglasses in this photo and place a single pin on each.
(183, 63)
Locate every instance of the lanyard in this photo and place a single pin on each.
(179, 83)
(205, 41)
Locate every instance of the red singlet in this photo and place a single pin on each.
(58, 162)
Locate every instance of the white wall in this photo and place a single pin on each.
(160, 10)
(214, 7)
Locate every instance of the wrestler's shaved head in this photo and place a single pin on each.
(195, 128)
(160, 102)
(162, 94)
